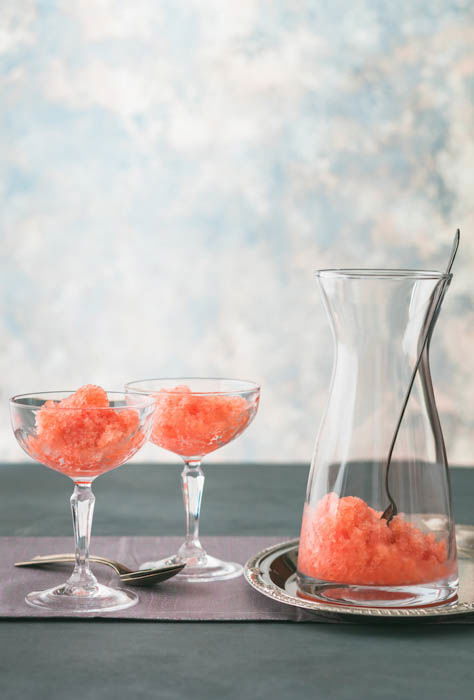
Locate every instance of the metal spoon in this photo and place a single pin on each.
(144, 577)
(391, 511)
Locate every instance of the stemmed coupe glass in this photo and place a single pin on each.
(64, 432)
(193, 417)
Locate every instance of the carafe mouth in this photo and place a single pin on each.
(382, 273)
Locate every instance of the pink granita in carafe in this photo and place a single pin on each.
(372, 536)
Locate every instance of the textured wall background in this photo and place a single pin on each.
(172, 172)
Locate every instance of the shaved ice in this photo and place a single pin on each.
(192, 424)
(78, 437)
(344, 540)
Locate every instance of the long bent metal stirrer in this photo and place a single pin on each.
(391, 511)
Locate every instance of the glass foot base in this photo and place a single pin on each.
(202, 571)
(421, 595)
(101, 599)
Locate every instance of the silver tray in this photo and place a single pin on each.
(272, 572)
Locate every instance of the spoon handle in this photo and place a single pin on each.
(68, 558)
(392, 510)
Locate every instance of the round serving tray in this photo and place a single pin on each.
(272, 572)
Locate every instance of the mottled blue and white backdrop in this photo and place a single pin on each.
(172, 173)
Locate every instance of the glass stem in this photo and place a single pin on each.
(82, 507)
(193, 486)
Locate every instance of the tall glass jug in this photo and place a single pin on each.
(348, 553)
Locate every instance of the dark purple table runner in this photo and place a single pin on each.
(171, 600)
(225, 601)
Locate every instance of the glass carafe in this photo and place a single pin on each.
(348, 554)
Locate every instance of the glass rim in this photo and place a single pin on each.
(16, 400)
(250, 386)
(382, 273)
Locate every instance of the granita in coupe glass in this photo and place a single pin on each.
(82, 434)
(193, 417)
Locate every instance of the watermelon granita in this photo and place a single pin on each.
(82, 435)
(193, 424)
(344, 540)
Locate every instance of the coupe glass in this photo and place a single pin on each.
(193, 417)
(81, 442)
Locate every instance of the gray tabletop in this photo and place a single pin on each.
(98, 660)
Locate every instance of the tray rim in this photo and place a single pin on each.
(258, 580)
